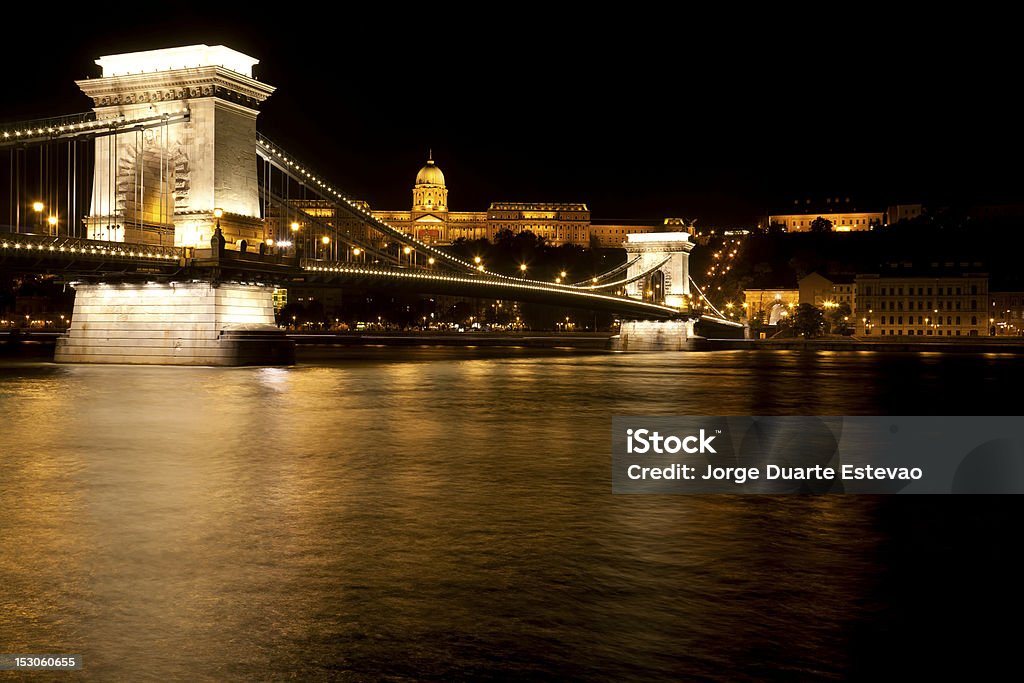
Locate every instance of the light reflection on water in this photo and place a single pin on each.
(431, 513)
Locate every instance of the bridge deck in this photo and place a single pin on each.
(75, 258)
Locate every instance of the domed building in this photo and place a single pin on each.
(558, 223)
(429, 193)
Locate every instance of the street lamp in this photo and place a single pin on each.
(52, 220)
(431, 261)
(38, 208)
(325, 240)
(522, 268)
(477, 260)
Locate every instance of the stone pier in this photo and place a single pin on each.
(657, 335)
(189, 323)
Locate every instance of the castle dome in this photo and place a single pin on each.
(430, 174)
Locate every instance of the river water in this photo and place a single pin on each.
(446, 514)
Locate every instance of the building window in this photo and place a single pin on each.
(974, 320)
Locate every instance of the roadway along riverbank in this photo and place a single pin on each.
(41, 343)
(530, 339)
(895, 344)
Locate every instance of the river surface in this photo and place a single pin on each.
(446, 514)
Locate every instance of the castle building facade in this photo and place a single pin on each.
(431, 221)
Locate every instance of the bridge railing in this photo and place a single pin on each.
(43, 126)
(13, 242)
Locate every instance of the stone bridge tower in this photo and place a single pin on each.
(670, 283)
(667, 255)
(161, 183)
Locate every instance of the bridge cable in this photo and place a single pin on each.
(708, 301)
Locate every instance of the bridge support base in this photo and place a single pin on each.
(193, 323)
(657, 335)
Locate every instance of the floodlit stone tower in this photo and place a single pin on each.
(159, 182)
(187, 147)
(667, 256)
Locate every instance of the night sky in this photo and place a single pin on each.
(638, 116)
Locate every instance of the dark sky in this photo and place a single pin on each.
(640, 116)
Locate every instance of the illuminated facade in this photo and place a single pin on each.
(614, 234)
(843, 215)
(903, 212)
(769, 305)
(1006, 313)
(951, 305)
(557, 222)
(823, 292)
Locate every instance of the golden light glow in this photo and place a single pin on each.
(477, 259)
(295, 226)
(270, 242)
(431, 260)
(325, 239)
(406, 250)
(52, 220)
(217, 213)
(522, 267)
(37, 206)
(357, 251)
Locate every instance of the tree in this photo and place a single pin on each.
(808, 320)
(820, 224)
(839, 319)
